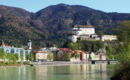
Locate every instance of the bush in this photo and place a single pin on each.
(122, 73)
(76, 55)
(26, 63)
(67, 57)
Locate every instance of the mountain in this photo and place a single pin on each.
(52, 24)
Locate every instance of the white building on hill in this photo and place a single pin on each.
(83, 32)
(109, 38)
(87, 32)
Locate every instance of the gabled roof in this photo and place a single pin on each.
(83, 26)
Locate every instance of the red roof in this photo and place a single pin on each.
(65, 49)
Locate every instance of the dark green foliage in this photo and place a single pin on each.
(123, 73)
(109, 51)
(90, 46)
(17, 56)
(67, 57)
(100, 33)
(124, 34)
(21, 55)
(30, 57)
(123, 52)
(73, 46)
(123, 56)
(76, 55)
(2, 54)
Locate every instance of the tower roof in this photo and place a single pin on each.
(83, 26)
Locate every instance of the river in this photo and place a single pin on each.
(58, 72)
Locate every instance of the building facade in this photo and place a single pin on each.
(14, 50)
(44, 56)
(83, 32)
(109, 38)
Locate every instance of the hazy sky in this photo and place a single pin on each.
(104, 5)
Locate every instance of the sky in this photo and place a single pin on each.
(121, 6)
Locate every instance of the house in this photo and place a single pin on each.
(14, 50)
(96, 56)
(44, 56)
(63, 54)
(74, 55)
(103, 56)
(83, 55)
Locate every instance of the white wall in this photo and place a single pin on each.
(83, 31)
(109, 37)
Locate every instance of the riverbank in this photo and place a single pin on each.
(68, 62)
(11, 64)
(58, 63)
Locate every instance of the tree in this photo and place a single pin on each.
(124, 34)
(76, 54)
(123, 52)
(67, 56)
(21, 55)
(13, 58)
(30, 57)
(100, 33)
(2, 54)
(9, 58)
(73, 46)
(90, 45)
(109, 51)
(17, 56)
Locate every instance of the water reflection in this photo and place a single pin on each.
(64, 72)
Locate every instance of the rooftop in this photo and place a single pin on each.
(83, 26)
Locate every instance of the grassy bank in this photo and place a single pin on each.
(12, 64)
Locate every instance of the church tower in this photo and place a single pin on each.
(30, 45)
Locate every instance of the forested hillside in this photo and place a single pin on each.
(52, 24)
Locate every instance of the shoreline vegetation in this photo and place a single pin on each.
(123, 53)
(2, 64)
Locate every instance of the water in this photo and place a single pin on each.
(59, 72)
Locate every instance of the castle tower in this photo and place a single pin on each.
(29, 44)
